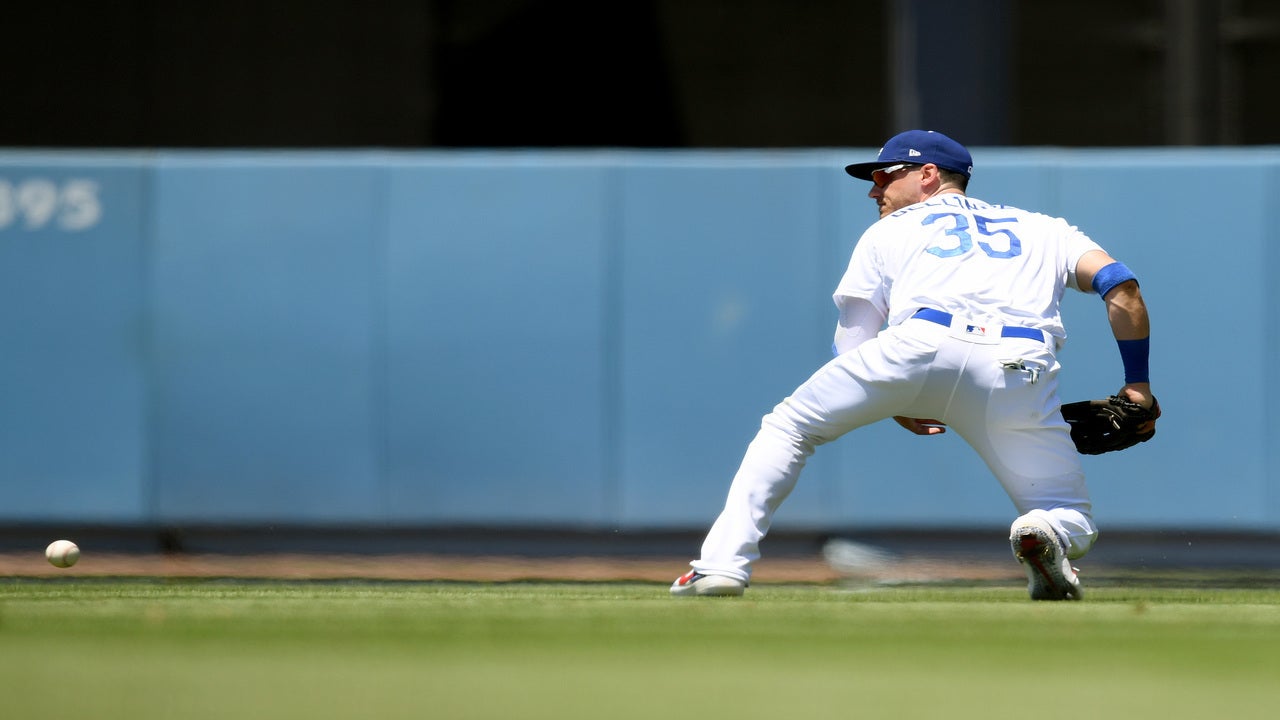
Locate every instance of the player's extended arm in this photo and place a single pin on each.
(859, 322)
(1127, 314)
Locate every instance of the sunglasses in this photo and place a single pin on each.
(881, 176)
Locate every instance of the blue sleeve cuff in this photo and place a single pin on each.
(1110, 276)
(1136, 354)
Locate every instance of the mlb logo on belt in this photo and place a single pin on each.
(976, 330)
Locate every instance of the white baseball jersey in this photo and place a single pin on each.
(990, 267)
(993, 264)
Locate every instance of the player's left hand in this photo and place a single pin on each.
(1111, 424)
(921, 426)
(1141, 393)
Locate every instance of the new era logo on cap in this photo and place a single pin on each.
(918, 147)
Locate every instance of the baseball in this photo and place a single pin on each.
(62, 553)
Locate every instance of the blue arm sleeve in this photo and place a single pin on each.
(1110, 276)
(1135, 354)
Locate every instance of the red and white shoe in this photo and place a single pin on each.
(695, 583)
(1049, 573)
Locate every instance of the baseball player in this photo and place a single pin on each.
(948, 319)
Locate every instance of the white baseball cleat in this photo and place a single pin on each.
(1036, 545)
(695, 583)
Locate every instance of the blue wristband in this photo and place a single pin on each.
(1110, 276)
(1135, 354)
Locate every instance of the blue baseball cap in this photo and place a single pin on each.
(917, 147)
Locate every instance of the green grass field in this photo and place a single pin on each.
(243, 649)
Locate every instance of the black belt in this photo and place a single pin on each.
(944, 318)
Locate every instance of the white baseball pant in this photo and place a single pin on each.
(977, 385)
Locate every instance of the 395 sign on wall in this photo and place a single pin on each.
(41, 203)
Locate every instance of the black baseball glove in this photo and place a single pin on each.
(1103, 426)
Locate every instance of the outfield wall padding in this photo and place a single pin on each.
(568, 339)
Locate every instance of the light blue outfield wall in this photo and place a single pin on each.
(73, 360)
(566, 338)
